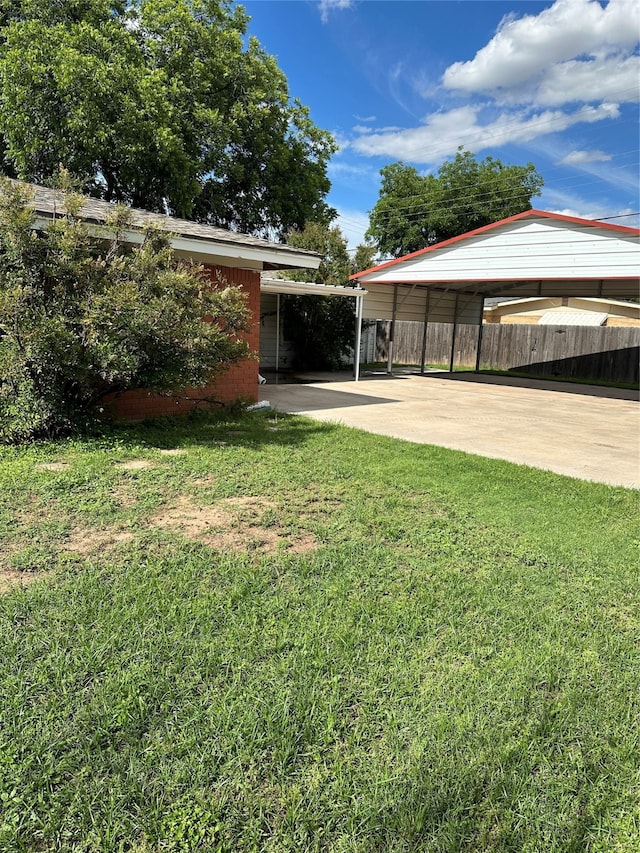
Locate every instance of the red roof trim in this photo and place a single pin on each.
(467, 282)
(545, 214)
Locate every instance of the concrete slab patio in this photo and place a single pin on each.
(583, 431)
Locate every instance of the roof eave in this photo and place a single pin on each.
(232, 254)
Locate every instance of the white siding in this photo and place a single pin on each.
(527, 249)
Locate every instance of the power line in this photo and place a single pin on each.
(619, 216)
(494, 182)
(413, 210)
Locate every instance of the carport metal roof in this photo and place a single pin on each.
(535, 253)
(304, 288)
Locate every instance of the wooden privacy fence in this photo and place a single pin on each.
(582, 352)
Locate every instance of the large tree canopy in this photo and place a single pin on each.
(162, 104)
(414, 211)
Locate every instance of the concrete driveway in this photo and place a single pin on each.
(582, 431)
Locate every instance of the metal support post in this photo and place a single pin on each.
(356, 361)
(392, 330)
(453, 336)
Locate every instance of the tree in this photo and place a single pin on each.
(364, 257)
(161, 104)
(82, 318)
(321, 328)
(415, 211)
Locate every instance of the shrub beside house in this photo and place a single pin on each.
(228, 257)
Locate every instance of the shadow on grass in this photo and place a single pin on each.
(206, 429)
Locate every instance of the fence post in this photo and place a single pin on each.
(479, 345)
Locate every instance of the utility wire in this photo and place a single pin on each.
(415, 207)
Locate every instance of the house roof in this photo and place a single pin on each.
(203, 243)
(557, 317)
(529, 303)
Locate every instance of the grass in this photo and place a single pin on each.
(271, 634)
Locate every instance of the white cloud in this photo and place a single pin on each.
(530, 58)
(575, 213)
(626, 216)
(444, 132)
(613, 79)
(365, 119)
(579, 158)
(621, 217)
(571, 203)
(359, 128)
(327, 6)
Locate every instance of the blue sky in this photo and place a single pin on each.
(552, 83)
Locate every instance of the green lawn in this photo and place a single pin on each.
(271, 634)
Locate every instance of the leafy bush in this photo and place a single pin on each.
(83, 315)
(321, 330)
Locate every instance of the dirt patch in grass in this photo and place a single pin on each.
(12, 578)
(233, 524)
(24, 560)
(52, 466)
(135, 465)
(86, 540)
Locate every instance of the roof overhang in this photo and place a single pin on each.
(270, 256)
(202, 243)
(303, 288)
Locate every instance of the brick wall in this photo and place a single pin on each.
(239, 381)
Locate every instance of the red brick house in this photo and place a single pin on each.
(236, 258)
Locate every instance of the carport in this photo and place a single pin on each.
(535, 253)
(279, 287)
